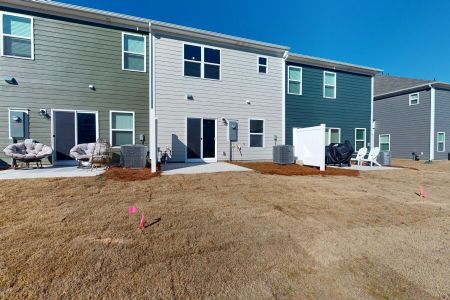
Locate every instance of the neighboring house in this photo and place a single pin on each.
(77, 77)
(337, 94)
(412, 115)
(205, 80)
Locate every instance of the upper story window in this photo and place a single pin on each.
(201, 61)
(295, 75)
(329, 85)
(17, 36)
(263, 63)
(133, 51)
(414, 99)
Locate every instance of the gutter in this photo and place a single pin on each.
(115, 19)
(332, 64)
(433, 84)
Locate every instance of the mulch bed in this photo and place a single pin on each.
(294, 170)
(124, 174)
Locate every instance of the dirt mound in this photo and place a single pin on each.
(124, 174)
(292, 170)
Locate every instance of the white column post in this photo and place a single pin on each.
(372, 124)
(432, 119)
(152, 99)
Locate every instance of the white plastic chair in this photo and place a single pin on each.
(372, 157)
(360, 155)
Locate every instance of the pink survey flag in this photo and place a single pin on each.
(422, 192)
(132, 210)
(142, 222)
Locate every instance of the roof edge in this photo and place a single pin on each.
(111, 18)
(416, 88)
(332, 64)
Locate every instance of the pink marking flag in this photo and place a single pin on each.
(422, 192)
(142, 222)
(132, 210)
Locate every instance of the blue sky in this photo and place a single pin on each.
(405, 38)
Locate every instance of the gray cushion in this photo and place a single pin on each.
(28, 151)
(82, 151)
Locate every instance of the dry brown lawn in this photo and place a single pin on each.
(229, 236)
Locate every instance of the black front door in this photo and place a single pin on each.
(209, 138)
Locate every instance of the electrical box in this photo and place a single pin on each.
(18, 124)
(233, 130)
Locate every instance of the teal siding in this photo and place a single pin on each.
(350, 109)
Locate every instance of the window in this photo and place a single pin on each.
(360, 138)
(122, 128)
(17, 36)
(202, 62)
(329, 85)
(256, 133)
(384, 142)
(332, 136)
(295, 75)
(134, 58)
(262, 64)
(414, 99)
(441, 142)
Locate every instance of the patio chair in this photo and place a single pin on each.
(92, 154)
(372, 157)
(28, 151)
(360, 156)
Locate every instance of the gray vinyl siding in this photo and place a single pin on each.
(351, 109)
(409, 126)
(69, 56)
(442, 121)
(217, 99)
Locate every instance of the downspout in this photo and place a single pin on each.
(152, 98)
(372, 121)
(283, 99)
(432, 120)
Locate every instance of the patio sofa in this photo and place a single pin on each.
(28, 151)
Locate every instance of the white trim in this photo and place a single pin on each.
(2, 35)
(9, 118)
(201, 159)
(297, 81)
(432, 121)
(328, 142)
(437, 141)
(372, 121)
(152, 105)
(379, 141)
(330, 85)
(365, 137)
(123, 130)
(134, 53)
(202, 61)
(52, 131)
(263, 134)
(283, 98)
(262, 65)
(411, 95)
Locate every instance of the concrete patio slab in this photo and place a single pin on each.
(49, 172)
(198, 168)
